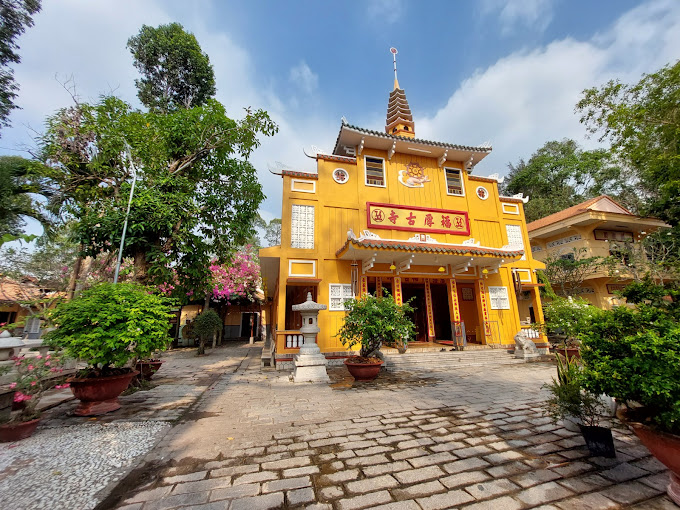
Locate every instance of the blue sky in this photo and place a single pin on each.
(505, 71)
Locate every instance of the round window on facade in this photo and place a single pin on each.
(482, 192)
(340, 175)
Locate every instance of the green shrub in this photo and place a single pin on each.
(205, 326)
(373, 321)
(569, 316)
(633, 355)
(109, 325)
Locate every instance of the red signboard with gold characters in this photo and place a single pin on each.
(417, 219)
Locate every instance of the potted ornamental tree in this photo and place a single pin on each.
(109, 326)
(206, 326)
(566, 317)
(633, 355)
(370, 322)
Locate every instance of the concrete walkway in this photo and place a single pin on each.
(469, 438)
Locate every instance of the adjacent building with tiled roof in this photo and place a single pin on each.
(598, 227)
(389, 211)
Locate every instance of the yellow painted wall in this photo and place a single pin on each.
(339, 207)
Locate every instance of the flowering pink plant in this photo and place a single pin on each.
(237, 279)
(34, 376)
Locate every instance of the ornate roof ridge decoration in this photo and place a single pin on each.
(380, 134)
(332, 157)
(418, 246)
(295, 173)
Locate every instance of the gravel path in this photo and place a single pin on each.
(64, 467)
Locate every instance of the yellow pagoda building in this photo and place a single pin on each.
(388, 210)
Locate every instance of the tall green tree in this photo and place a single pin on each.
(196, 193)
(24, 182)
(642, 123)
(561, 174)
(15, 17)
(176, 73)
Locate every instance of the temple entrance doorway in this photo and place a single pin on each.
(440, 311)
(469, 314)
(419, 316)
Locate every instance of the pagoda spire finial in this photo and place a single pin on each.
(399, 120)
(394, 52)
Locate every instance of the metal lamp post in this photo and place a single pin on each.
(127, 213)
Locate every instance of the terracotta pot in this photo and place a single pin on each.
(148, 368)
(571, 352)
(17, 431)
(363, 371)
(99, 395)
(664, 446)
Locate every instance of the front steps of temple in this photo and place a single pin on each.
(434, 360)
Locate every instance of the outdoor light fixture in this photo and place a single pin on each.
(485, 272)
(441, 269)
(393, 267)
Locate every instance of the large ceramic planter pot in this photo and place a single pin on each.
(17, 431)
(363, 371)
(99, 395)
(146, 369)
(569, 352)
(664, 446)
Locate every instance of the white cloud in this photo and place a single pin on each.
(528, 97)
(304, 78)
(388, 11)
(515, 15)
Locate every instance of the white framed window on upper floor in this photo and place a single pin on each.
(454, 182)
(338, 293)
(302, 226)
(375, 171)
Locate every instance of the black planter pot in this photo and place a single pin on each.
(599, 440)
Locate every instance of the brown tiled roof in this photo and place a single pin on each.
(407, 139)
(12, 291)
(569, 212)
(294, 173)
(455, 249)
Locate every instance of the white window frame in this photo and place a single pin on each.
(499, 299)
(344, 296)
(293, 182)
(510, 209)
(301, 226)
(384, 185)
(462, 182)
(301, 275)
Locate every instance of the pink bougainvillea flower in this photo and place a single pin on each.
(12, 385)
(33, 383)
(38, 356)
(30, 367)
(47, 363)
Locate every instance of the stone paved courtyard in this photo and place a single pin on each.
(466, 438)
(221, 433)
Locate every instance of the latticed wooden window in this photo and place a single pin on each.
(375, 172)
(454, 182)
(302, 226)
(515, 238)
(338, 294)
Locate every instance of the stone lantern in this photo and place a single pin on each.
(310, 364)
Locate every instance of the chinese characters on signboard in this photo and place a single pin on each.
(398, 217)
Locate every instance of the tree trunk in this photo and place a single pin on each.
(201, 346)
(74, 277)
(214, 340)
(141, 267)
